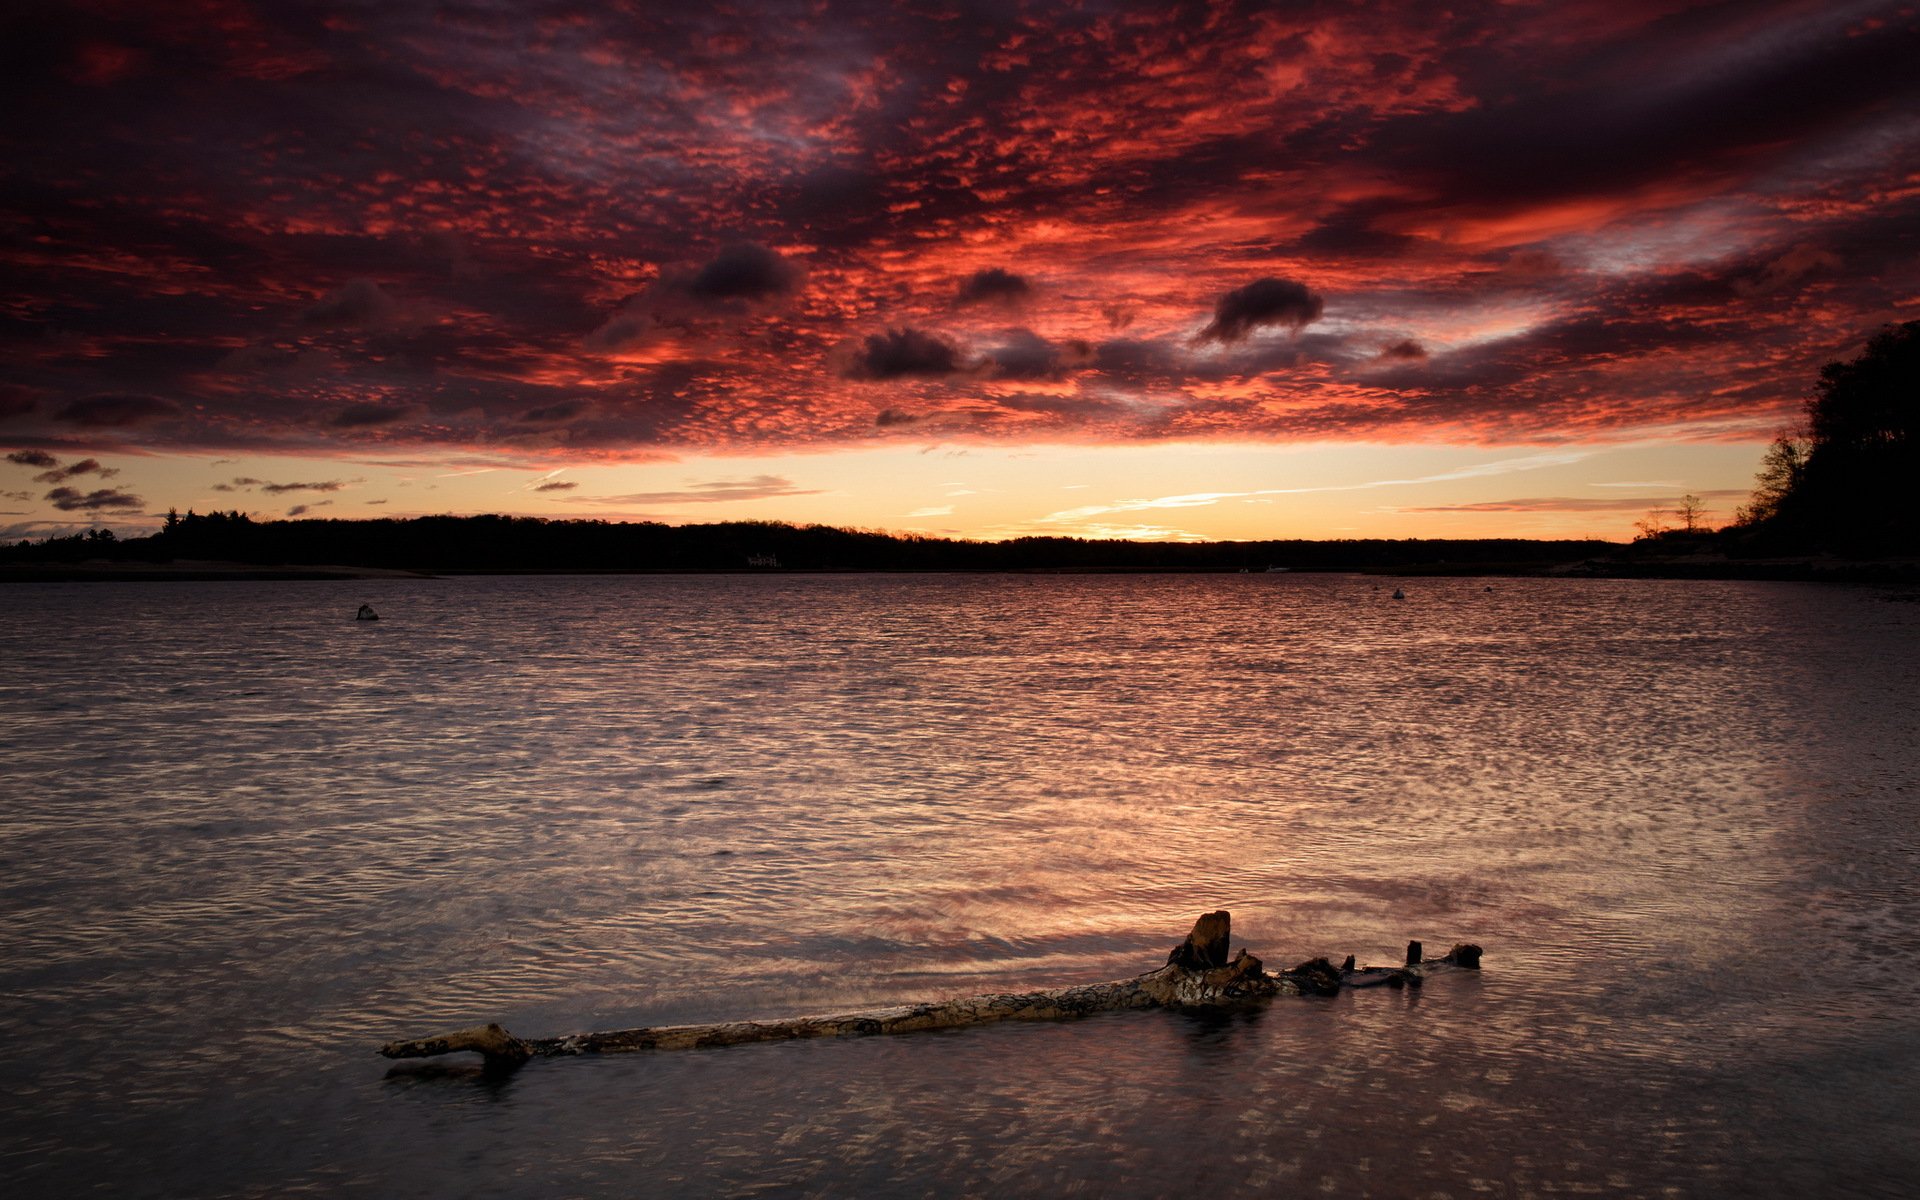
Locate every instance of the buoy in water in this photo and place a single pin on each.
(366, 613)
(1398, 594)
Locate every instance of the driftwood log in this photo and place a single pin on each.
(1198, 974)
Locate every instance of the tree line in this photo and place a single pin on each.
(506, 544)
(1841, 481)
(1845, 479)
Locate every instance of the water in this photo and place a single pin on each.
(244, 839)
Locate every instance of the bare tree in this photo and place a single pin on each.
(1691, 513)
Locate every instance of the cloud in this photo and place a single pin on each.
(1406, 349)
(329, 485)
(276, 489)
(1531, 462)
(116, 411)
(368, 416)
(1571, 503)
(1790, 269)
(556, 485)
(554, 414)
(1264, 302)
(744, 272)
(994, 285)
(68, 500)
(358, 303)
(759, 487)
(1026, 355)
(902, 353)
(86, 466)
(742, 278)
(33, 458)
(624, 330)
(299, 509)
(1613, 218)
(15, 401)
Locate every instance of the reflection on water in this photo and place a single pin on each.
(244, 838)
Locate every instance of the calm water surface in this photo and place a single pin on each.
(244, 839)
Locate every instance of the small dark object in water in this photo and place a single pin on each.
(366, 613)
(1398, 594)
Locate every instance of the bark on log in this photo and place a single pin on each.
(1198, 974)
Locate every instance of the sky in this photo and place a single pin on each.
(984, 270)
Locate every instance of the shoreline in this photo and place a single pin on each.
(1783, 570)
(190, 571)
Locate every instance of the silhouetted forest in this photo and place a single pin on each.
(505, 544)
(1846, 482)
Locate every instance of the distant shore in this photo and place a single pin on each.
(101, 571)
(1823, 569)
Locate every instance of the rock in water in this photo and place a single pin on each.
(1317, 977)
(1206, 946)
(366, 613)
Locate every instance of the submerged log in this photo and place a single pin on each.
(1198, 974)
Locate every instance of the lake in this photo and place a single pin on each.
(244, 839)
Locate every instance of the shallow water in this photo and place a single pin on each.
(244, 839)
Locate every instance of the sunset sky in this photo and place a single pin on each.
(1225, 271)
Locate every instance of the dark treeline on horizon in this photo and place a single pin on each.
(501, 543)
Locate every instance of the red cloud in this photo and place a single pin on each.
(617, 235)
